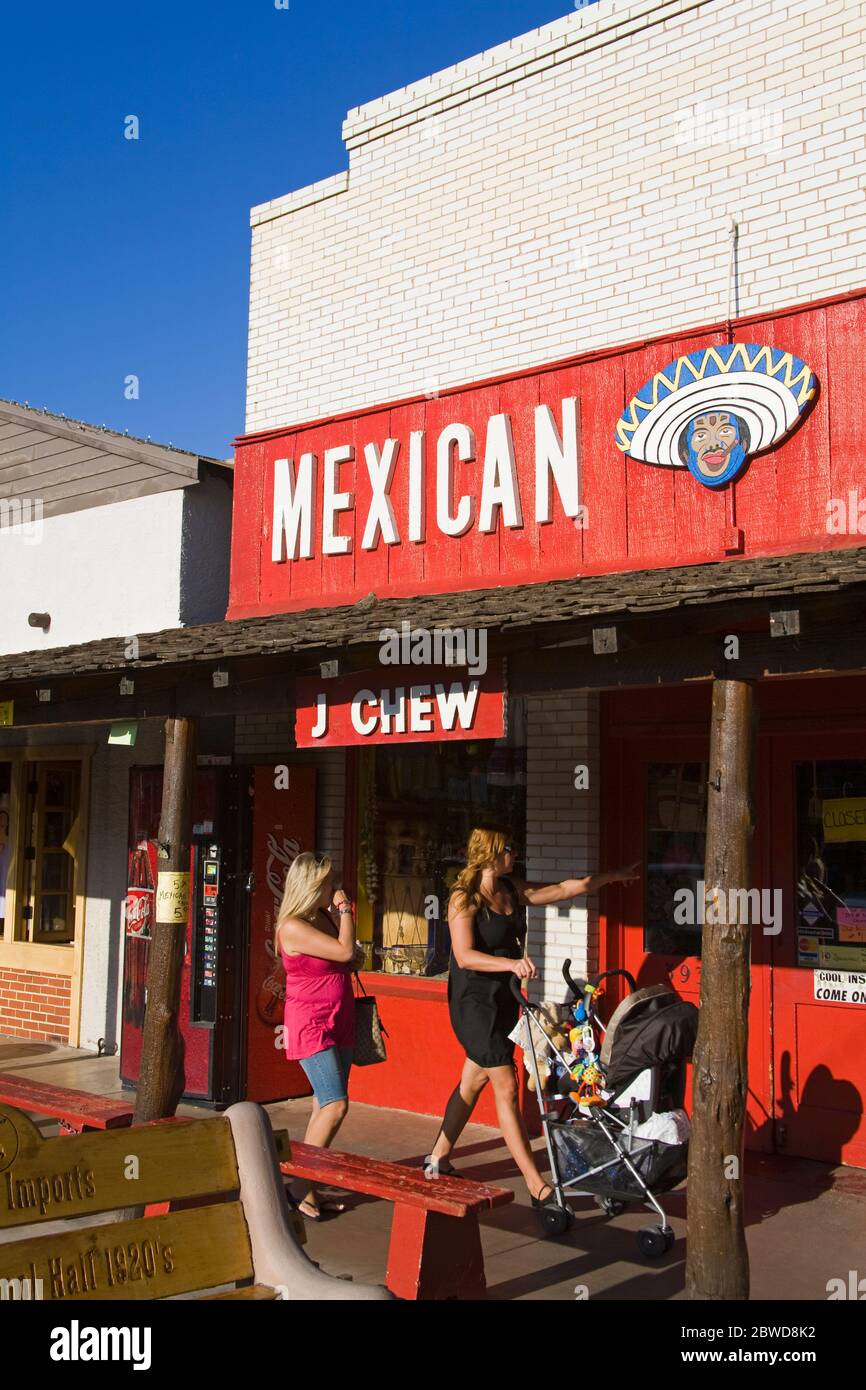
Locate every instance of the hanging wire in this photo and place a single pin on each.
(733, 238)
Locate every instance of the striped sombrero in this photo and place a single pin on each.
(759, 393)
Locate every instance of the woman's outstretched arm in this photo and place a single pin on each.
(545, 894)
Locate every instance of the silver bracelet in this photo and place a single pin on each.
(345, 907)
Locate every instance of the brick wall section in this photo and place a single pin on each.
(562, 836)
(267, 738)
(564, 192)
(34, 1005)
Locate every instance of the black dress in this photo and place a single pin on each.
(483, 1010)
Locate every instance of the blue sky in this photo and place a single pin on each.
(125, 257)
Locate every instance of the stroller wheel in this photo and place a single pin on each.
(555, 1220)
(610, 1206)
(653, 1241)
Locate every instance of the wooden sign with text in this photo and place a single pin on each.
(154, 1257)
(411, 704)
(76, 1175)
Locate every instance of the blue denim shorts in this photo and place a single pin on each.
(328, 1073)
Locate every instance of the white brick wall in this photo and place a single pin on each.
(562, 836)
(267, 738)
(549, 197)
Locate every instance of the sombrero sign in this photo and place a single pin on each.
(711, 410)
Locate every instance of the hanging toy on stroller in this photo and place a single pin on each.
(612, 1116)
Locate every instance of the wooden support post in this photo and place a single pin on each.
(161, 1077)
(717, 1261)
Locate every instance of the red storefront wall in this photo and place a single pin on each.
(807, 1057)
(640, 516)
(424, 1057)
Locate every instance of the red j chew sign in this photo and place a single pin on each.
(411, 704)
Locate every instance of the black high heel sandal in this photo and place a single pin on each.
(539, 1202)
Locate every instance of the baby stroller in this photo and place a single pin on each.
(612, 1119)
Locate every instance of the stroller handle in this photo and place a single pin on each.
(576, 987)
(514, 985)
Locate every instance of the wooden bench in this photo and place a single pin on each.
(77, 1111)
(435, 1250)
(237, 1229)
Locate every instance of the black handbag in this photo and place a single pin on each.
(369, 1031)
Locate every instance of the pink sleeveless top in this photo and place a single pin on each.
(320, 1005)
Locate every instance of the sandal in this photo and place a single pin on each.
(438, 1168)
(317, 1212)
(538, 1201)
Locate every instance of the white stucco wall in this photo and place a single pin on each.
(105, 572)
(566, 191)
(118, 570)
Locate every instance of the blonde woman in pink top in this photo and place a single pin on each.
(315, 934)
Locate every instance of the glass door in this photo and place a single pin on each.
(656, 813)
(819, 959)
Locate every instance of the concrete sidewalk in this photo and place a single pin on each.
(806, 1221)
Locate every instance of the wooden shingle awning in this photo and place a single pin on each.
(519, 617)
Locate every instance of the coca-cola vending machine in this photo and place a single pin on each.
(246, 831)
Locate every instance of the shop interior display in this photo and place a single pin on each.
(418, 808)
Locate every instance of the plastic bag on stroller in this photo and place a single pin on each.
(581, 1146)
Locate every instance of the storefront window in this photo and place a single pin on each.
(50, 851)
(418, 803)
(831, 864)
(676, 831)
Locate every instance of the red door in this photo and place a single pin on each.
(819, 959)
(655, 794)
(284, 824)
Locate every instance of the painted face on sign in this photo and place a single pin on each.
(714, 447)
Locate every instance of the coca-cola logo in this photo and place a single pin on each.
(285, 855)
(281, 855)
(139, 911)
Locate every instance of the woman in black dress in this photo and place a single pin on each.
(488, 933)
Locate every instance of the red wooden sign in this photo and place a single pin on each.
(401, 704)
(521, 479)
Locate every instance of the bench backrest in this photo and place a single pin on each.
(46, 1180)
(239, 1230)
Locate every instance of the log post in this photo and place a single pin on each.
(717, 1260)
(161, 1080)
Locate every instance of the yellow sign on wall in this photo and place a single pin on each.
(7, 709)
(842, 957)
(844, 819)
(172, 897)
